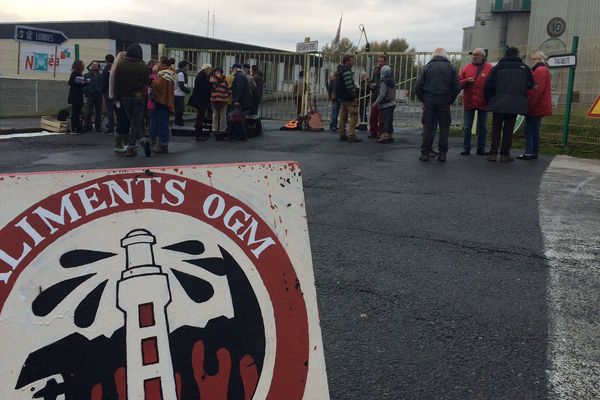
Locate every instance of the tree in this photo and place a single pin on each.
(345, 46)
(396, 45)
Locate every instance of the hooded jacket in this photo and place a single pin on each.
(131, 74)
(346, 88)
(506, 88)
(163, 88)
(539, 98)
(473, 98)
(387, 89)
(241, 90)
(438, 83)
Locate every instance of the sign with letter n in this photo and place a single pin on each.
(164, 283)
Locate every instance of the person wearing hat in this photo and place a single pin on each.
(241, 103)
(219, 99)
(200, 99)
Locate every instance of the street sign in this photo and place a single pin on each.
(39, 35)
(307, 47)
(196, 280)
(594, 111)
(562, 60)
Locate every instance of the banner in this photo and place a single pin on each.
(46, 58)
(160, 284)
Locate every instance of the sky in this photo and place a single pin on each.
(425, 24)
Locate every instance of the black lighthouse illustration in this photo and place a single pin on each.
(143, 294)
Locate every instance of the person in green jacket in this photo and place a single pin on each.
(348, 94)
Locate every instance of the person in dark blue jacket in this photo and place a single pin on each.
(505, 92)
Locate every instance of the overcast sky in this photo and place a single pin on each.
(426, 24)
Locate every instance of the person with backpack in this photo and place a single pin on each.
(386, 104)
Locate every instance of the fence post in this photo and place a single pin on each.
(567, 116)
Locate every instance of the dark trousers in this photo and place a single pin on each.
(93, 103)
(179, 107)
(134, 107)
(75, 115)
(122, 127)
(431, 114)
(255, 103)
(502, 129)
(375, 121)
(387, 119)
(110, 112)
(201, 110)
(238, 130)
(335, 113)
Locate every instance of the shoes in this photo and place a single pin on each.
(442, 157)
(343, 138)
(506, 159)
(131, 152)
(424, 156)
(333, 129)
(120, 149)
(220, 137)
(384, 138)
(371, 136)
(433, 152)
(160, 149)
(353, 139)
(492, 157)
(201, 138)
(483, 153)
(527, 157)
(465, 153)
(361, 127)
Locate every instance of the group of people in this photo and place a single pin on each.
(508, 89)
(137, 96)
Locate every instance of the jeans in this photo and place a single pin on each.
(387, 119)
(502, 128)
(335, 113)
(134, 107)
(431, 114)
(162, 124)
(348, 110)
(153, 128)
(110, 113)
(469, 117)
(532, 135)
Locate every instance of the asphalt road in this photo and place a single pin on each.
(432, 278)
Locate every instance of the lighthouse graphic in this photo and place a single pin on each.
(143, 294)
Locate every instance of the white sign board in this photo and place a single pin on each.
(46, 58)
(562, 61)
(307, 47)
(146, 284)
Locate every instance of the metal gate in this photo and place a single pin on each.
(286, 95)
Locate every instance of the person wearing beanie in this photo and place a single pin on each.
(506, 96)
(131, 78)
(219, 98)
(386, 103)
(200, 100)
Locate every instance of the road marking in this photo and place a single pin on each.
(29, 135)
(569, 206)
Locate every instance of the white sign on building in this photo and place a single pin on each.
(46, 58)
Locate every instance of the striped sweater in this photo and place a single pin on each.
(220, 90)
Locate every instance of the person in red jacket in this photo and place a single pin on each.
(472, 81)
(539, 104)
